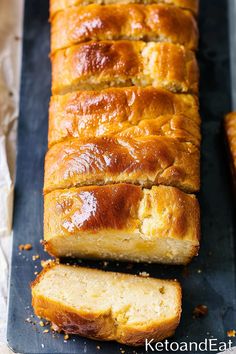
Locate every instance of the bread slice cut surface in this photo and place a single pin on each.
(107, 306)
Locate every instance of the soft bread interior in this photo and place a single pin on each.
(130, 302)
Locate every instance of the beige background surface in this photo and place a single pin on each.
(10, 61)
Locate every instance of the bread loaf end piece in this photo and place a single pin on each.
(105, 305)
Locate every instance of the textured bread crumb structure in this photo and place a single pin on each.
(105, 305)
(98, 65)
(157, 23)
(122, 222)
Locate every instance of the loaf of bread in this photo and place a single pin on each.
(111, 111)
(105, 305)
(98, 65)
(146, 161)
(157, 23)
(122, 222)
(58, 5)
(230, 130)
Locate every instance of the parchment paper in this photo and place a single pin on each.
(10, 61)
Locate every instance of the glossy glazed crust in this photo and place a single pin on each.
(101, 326)
(77, 211)
(230, 130)
(98, 65)
(178, 127)
(113, 110)
(146, 161)
(157, 23)
(58, 5)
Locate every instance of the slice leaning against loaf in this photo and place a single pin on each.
(123, 111)
(157, 23)
(98, 65)
(58, 5)
(107, 306)
(146, 161)
(122, 222)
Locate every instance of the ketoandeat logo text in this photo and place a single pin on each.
(208, 345)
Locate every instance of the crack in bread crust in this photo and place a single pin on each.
(146, 161)
(129, 112)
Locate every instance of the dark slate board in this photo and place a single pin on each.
(214, 286)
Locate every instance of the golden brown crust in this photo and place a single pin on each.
(157, 23)
(107, 211)
(146, 161)
(97, 208)
(103, 325)
(58, 5)
(230, 130)
(99, 327)
(97, 65)
(178, 127)
(110, 111)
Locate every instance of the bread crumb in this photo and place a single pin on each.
(231, 333)
(46, 331)
(98, 347)
(35, 273)
(162, 290)
(26, 247)
(66, 336)
(41, 323)
(199, 271)
(144, 274)
(200, 311)
(36, 256)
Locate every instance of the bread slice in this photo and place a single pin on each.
(107, 306)
(124, 112)
(150, 160)
(58, 5)
(98, 65)
(230, 132)
(178, 127)
(157, 23)
(122, 222)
